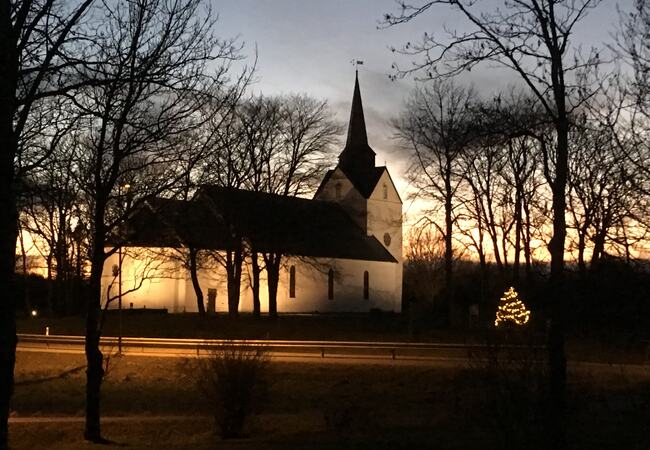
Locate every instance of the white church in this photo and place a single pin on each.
(342, 250)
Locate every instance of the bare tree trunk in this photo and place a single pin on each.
(62, 266)
(234, 259)
(518, 233)
(494, 237)
(23, 259)
(94, 356)
(599, 248)
(8, 340)
(195, 282)
(449, 255)
(255, 284)
(556, 350)
(50, 284)
(527, 250)
(272, 262)
(8, 217)
(582, 243)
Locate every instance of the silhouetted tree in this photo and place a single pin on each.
(608, 201)
(158, 63)
(532, 39)
(288, 144)
(307, 132)
(34, 49)
(436, 127)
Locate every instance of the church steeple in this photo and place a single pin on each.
(357, 158)
(357, 127)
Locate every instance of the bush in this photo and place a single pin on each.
(511, 389)
(233, 378)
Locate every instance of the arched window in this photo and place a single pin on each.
(337, 189)
(330, 284)
(292, 282)
(366, 285)
(385, 192)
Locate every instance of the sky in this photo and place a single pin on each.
(306, 46)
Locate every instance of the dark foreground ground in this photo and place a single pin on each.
(332, 406)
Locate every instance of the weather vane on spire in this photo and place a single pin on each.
(356, 63)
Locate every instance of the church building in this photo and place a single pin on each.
(341, 251)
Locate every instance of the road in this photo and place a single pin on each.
(334, 352)
(299, 351)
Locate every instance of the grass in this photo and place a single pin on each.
(335, 406)
(383, 327)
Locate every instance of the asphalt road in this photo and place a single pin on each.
(314, 354)
(335, 352)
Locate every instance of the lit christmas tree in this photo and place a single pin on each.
(511, 310)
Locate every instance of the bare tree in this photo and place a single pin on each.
(635, 50)
(211, 155)
(630, 116)
(531, 38)
(48, 201)
(513, 124)
(482, 168)
(608, 198)
(294, 166)
(153, 59)
(35, 42)
(436, 127)
(276, 145)
(259, 124)
(425, 262)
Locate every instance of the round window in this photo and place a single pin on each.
(387, 239)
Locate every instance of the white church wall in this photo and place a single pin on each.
(312, 286)
(169, 285)
(155, 282)
(385, 218)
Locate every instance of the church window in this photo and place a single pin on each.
(366, 285)
(330, 284)
(292, 282)
(337, 188)
(385, 192)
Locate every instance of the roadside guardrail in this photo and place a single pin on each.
(322, 349)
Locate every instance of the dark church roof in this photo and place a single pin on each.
(357, 137)
(164, 222)
(364, 182)
(219, 217)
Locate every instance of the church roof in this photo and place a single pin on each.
(357, 136)
(364, 182)
(357, 156)
(164, 222)
(219, 217)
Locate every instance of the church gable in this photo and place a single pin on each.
(337, 187)
(385, 189)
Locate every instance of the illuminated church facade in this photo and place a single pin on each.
(342, 249)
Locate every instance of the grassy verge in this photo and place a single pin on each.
(382, 327)
(317, 406)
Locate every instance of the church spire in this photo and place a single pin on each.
(357, 157)
(357, 126)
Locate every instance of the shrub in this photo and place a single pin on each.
(511, 389)
(233, 377)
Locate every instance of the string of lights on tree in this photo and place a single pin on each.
(511, 310)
